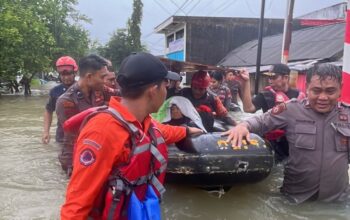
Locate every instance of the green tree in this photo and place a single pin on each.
(117, 48)
(134, 23)
(34, 33)
(125, 41)
(64, 24)
(24, 41)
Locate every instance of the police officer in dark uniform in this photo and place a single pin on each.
(318, 132)
(265, 100)
(84, 94)
(278, 92)
(66, 67)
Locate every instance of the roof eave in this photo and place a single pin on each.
(161, 28)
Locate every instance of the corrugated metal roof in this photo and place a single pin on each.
(322, 42)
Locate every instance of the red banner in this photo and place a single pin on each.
(347, 28)
(318, 22)
(345, 93)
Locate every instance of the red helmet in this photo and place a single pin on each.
(201, 79)
(65, 63)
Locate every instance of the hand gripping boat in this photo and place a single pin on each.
(208, 161)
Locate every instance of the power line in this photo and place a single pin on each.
(162, 7)
(270, 5)
(156, 39)
(225, 8)
(249, 8)
(148, 35)
(194, 6)
(223, 5)
(207, 6)
(179, 7)
(189, 3)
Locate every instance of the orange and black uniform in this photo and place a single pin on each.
(107, 148)
(69, 104)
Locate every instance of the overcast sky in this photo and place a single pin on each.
(109, 15)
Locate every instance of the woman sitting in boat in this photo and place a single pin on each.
(177, 118)
(178, 111)
(207, 104)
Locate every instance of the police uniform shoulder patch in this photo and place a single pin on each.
(279, 109)
(87, 157)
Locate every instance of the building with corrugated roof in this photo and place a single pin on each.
(208, 39)
(309, 46)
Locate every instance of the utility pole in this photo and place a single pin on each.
(258, 58)
(287, 32)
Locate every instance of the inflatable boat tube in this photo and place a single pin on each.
(208, 161)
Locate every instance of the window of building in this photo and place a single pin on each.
(169, 39)
(180, 34)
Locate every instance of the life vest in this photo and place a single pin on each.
(145, 168)
(279, 97)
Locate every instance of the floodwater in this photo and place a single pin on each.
(32, 185)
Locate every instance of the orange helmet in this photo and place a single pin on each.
(66, 63)
(201, 79)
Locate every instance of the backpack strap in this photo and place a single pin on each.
(160, 158)
(118, 183)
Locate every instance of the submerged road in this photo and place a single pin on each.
(32, 185)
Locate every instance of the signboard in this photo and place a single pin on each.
(176, 45)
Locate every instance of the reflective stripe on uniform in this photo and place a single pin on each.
(155, 152)
(141, 149)
(158, 185)
(160, 140)
(132, 127)
(162, 168)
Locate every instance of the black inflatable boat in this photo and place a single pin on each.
(211, 162)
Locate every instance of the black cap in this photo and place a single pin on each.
(281, 69)
(139, 69)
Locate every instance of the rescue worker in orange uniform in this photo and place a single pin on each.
(121, 152)
(66, 68)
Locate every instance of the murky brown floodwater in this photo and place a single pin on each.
(32, 185)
